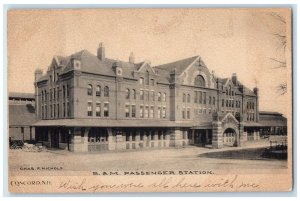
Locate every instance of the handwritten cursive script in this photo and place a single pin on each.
(231, 183)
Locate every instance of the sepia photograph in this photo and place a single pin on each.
(149, 100)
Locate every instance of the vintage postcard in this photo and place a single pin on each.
(149, 100)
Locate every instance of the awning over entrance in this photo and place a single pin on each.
(111, 123)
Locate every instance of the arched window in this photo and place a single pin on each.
(147, 78)
(127, 95)
(133, 94)
(183, 98)
(90, 90)
(159, 96)
(106, 91)
(188, 98)
(98, 90)
(199, 81)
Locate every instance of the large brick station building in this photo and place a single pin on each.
(87, 102)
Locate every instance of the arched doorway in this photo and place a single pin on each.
(229, 137)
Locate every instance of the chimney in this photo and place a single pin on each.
(234, 78)
(101, 52)
(131, 58)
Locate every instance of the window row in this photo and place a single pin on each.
(200, 97)
(54, 110)
(250, 105)
(250, 117)
(146, 80)
(229, 92)
(98, 110)
(150, 95)
(186, 113)
(90, 90)
(204, 111)
(148, 112)
(230, 103)
(145, 135)
(54, 93)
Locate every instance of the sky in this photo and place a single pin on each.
(241, 41)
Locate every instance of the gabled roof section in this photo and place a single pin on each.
(180, 65)
(144, 64)
(91, 64)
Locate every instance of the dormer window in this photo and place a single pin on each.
(147, 78)
(152, 82)
(141, 80)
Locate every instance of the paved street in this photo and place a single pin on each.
(189, 158)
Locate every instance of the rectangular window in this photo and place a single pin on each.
(141, 111)
(152, 82)
(196, 97)
(68, 109)
(146, 112)
(51, 111)
(57, 93)
(200, 97)
(68, 91)
(127, 108)
(98, 109)
(64, 109)
(146, 95)
(209, 100)
(42, 111)
(151, 114)
(188, 113)
(54, 110)
(164, 113)
(50, 94)
(214, 100)
(58, 110)
(183, 113)
(152, 97)
(158, 112)
(106, 109)
(133, 111)
(204, 97)
(141, 95)
(54, 94)
(90, 109)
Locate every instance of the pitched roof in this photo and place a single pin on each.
(91, 64)
(21, 115)
(180, 65)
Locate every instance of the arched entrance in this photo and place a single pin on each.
(229, 137)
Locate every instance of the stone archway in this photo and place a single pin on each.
(229, 137)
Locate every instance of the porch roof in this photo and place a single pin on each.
(111, 123)
(252, 124)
